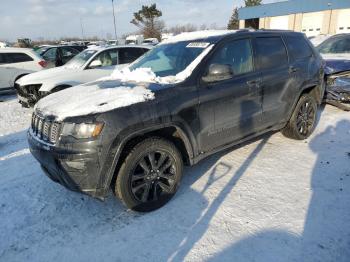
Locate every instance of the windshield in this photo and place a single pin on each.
(170, 59)
(80, 59)
(335, 46)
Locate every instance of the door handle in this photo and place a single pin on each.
(253, 83)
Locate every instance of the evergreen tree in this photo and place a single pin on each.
(252, 2)
(233, 24)
(147, 20)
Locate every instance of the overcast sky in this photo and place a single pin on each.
(61, 18)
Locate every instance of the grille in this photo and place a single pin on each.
(44, 129)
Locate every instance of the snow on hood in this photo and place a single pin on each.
(38, 77)
(189, 36)
(109, 93)
(146, 75)
(96, 97)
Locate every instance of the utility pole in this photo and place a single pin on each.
(115, 28)
(82, 28)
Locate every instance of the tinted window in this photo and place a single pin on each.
(67, 51)
(237, 54)
(128, 55)
(2, 59)
(271, 52)
(18, 58)
(50, 54)
(298, 47)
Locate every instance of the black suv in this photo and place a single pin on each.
(210, 91)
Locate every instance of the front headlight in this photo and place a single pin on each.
(82, 130)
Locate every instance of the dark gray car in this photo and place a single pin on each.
(240, 85)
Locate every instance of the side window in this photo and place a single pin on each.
(50, 54)
(271, 52)
(298, 47)
(69, 52)
(2, 59)
(108, 57)
(129, 55)
(237, 54)
(18, 58)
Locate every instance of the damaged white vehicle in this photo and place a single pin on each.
(87, 66)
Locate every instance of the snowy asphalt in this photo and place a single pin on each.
(272, 199)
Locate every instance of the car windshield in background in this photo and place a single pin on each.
(335, 45)
(80, 59)
(170, 59)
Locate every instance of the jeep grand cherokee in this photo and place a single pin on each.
(191, 96)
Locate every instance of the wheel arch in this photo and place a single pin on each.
(172, 132)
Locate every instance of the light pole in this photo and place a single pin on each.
(115, 29)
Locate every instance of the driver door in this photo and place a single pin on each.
(230, 109)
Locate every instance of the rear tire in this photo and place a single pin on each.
(303, 120)
(150, 175)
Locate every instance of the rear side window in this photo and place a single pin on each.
(237, 54)
(271, 52)
(18, 58)
(298, 47)
(128, 55)
(2, 59)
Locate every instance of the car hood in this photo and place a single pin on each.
(336, 63)
(49, 74)
(95, 97)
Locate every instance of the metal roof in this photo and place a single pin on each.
(291, 7)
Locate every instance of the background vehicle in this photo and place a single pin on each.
(336, 52)
(151, 41)
(134, 40)
(89, 65)
(59, 55)
(15, 63)
(200, 93)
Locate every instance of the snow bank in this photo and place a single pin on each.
(189, 36)
(89, 99)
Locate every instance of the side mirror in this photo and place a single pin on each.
(95, 64)
(217, 73)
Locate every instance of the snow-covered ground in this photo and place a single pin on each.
(272, 199)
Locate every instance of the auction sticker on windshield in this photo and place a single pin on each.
(198, 44)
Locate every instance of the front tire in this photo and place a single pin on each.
(150, 175)
(303, 120)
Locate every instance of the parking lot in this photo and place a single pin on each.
(272, 199)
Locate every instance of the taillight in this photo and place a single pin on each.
(42, 63)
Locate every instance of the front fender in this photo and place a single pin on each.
(120, 141)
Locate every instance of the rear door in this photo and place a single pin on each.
(230, 109)
(4, 71)
(16, 64)
(272, 62)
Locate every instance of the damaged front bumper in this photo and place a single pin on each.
(338, 90)
(29, 95)
(77, 169)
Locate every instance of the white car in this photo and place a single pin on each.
(17, 62)
(87, 66)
